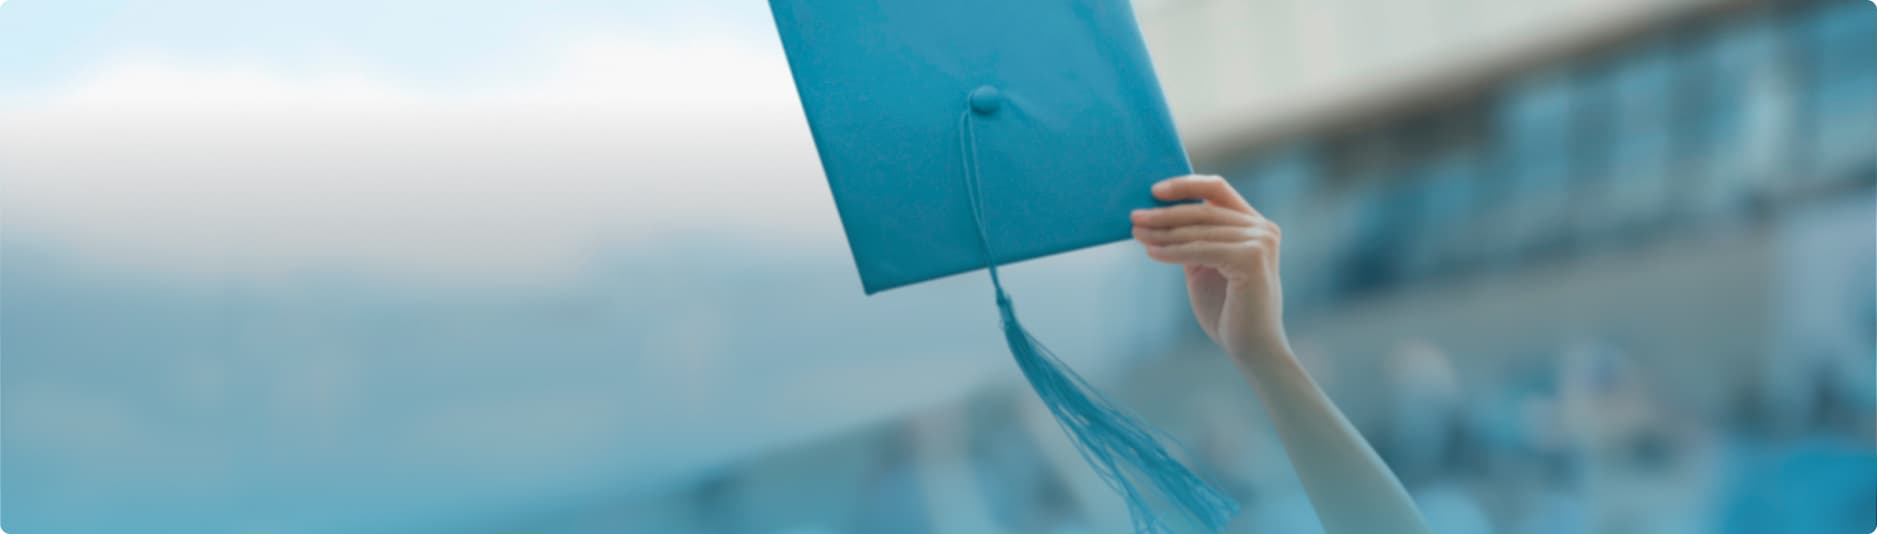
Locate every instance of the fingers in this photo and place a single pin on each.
(1224, 231)
(1212, 189)
(1197, 253)
(1233, 260)
(1190, 214)
(1185, 234)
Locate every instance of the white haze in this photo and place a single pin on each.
(247, 167)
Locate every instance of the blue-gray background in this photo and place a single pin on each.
(432, 266)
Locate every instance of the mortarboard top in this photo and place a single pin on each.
(1070, 126)
(960, 134)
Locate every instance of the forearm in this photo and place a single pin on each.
(1352, 490)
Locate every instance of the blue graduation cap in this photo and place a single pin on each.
(966, 134)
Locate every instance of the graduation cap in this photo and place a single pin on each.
(966, 134)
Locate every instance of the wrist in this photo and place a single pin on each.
(1253, 347)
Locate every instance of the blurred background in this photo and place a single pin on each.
(1581, 266)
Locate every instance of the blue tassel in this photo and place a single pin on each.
(1113, 442)
(1110, 438)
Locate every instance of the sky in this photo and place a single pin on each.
(136, 128)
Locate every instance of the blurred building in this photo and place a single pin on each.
(1581, 266)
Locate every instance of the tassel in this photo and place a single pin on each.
(1110, 439)
(1113, 442)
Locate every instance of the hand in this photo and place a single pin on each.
(1230, 253)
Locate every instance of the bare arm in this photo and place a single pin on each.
(1230, 252)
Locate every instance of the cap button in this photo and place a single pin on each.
(985, 100)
